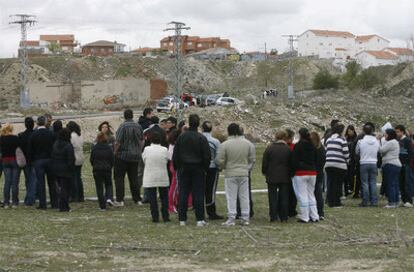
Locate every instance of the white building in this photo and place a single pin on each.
(370, 42)
(375, 58)
(403, 54)
(326, 44)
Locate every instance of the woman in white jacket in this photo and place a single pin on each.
(155, 159)
(391, 167)
(77, 194)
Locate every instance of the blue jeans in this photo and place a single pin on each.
(11, 181)
(42, 169)
(30, 182)
(369, 174)
(391, 175)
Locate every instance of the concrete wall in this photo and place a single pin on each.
(127, 91)
(91, 94)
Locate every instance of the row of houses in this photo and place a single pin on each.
(66, 43)
(343, 46)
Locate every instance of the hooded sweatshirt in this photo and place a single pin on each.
(368, 148)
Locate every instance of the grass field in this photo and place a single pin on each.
(124, 239)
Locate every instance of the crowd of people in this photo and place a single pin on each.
(179, 164)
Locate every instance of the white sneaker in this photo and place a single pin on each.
(229, 223)
(119, 204)
(139, 203)
(343, 198)
(408, 205)
(183, 223)
(390, 206)
(245, 222)
(201, 223)
(109, 202)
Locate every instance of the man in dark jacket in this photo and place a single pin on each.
(276, 168)
(145, 120)
(39, 153)
(28, 170)
(191, 158)
(406, 153)
(102, 161)
(63, 165)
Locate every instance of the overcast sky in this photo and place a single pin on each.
(247, 23)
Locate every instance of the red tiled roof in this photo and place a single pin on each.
(366, 38)
(340, 49)
(100, 43)
(331, 33)
(381, 54)
(400, 51)
(65, 37)
(31, 43)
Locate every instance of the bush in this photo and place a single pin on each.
(350, 77)
(367, 79)
(324, 80)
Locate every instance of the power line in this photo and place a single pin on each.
(291, 40)
(178, 27)
(24, 20)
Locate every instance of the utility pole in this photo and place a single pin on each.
(291, 40)
(24, 20)
(178, 27)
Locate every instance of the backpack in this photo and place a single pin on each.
(20, 158)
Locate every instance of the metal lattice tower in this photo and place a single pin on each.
(178, 27)
(291, 40)
(24, 20)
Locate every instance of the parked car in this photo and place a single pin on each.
(170, 103)
(212, 98)
(227, 101)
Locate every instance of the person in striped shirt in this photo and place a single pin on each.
(337, 159)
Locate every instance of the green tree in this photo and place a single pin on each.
(352, 71)
(324, 80)
(54, 47)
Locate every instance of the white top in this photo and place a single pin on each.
(390, 152)
(155, 159)
(368, 148)
(77, 143)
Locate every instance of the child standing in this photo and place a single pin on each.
(155, 159)
(102, 161)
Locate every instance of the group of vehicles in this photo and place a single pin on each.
(174, 103)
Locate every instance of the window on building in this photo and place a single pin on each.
(165, 44)
(321, 43)
(103, 50)
(199, 45)
(330, 44)
(378, 40)
(171, 43)
(190, 43)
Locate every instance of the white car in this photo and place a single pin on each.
(170, 103)
(227, 101)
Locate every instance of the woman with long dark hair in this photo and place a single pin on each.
(350, 136)
(76, 139)
(304, 168)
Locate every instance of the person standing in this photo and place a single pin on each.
(28, 170)
(212, 175)
(155, 159)
(63, 165)
(128, 147)
(304, 168)
(234, 157)
(391, 167)
(106, 129)
(102, 161)
(8, 144)
(77, 192)
(292, 197)
(350, 136)
(320, 164)
(367, 148)
(40, 150)
(337, 158)
(406, 153)
(145, 122)
(276, 165)
(191, 159)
